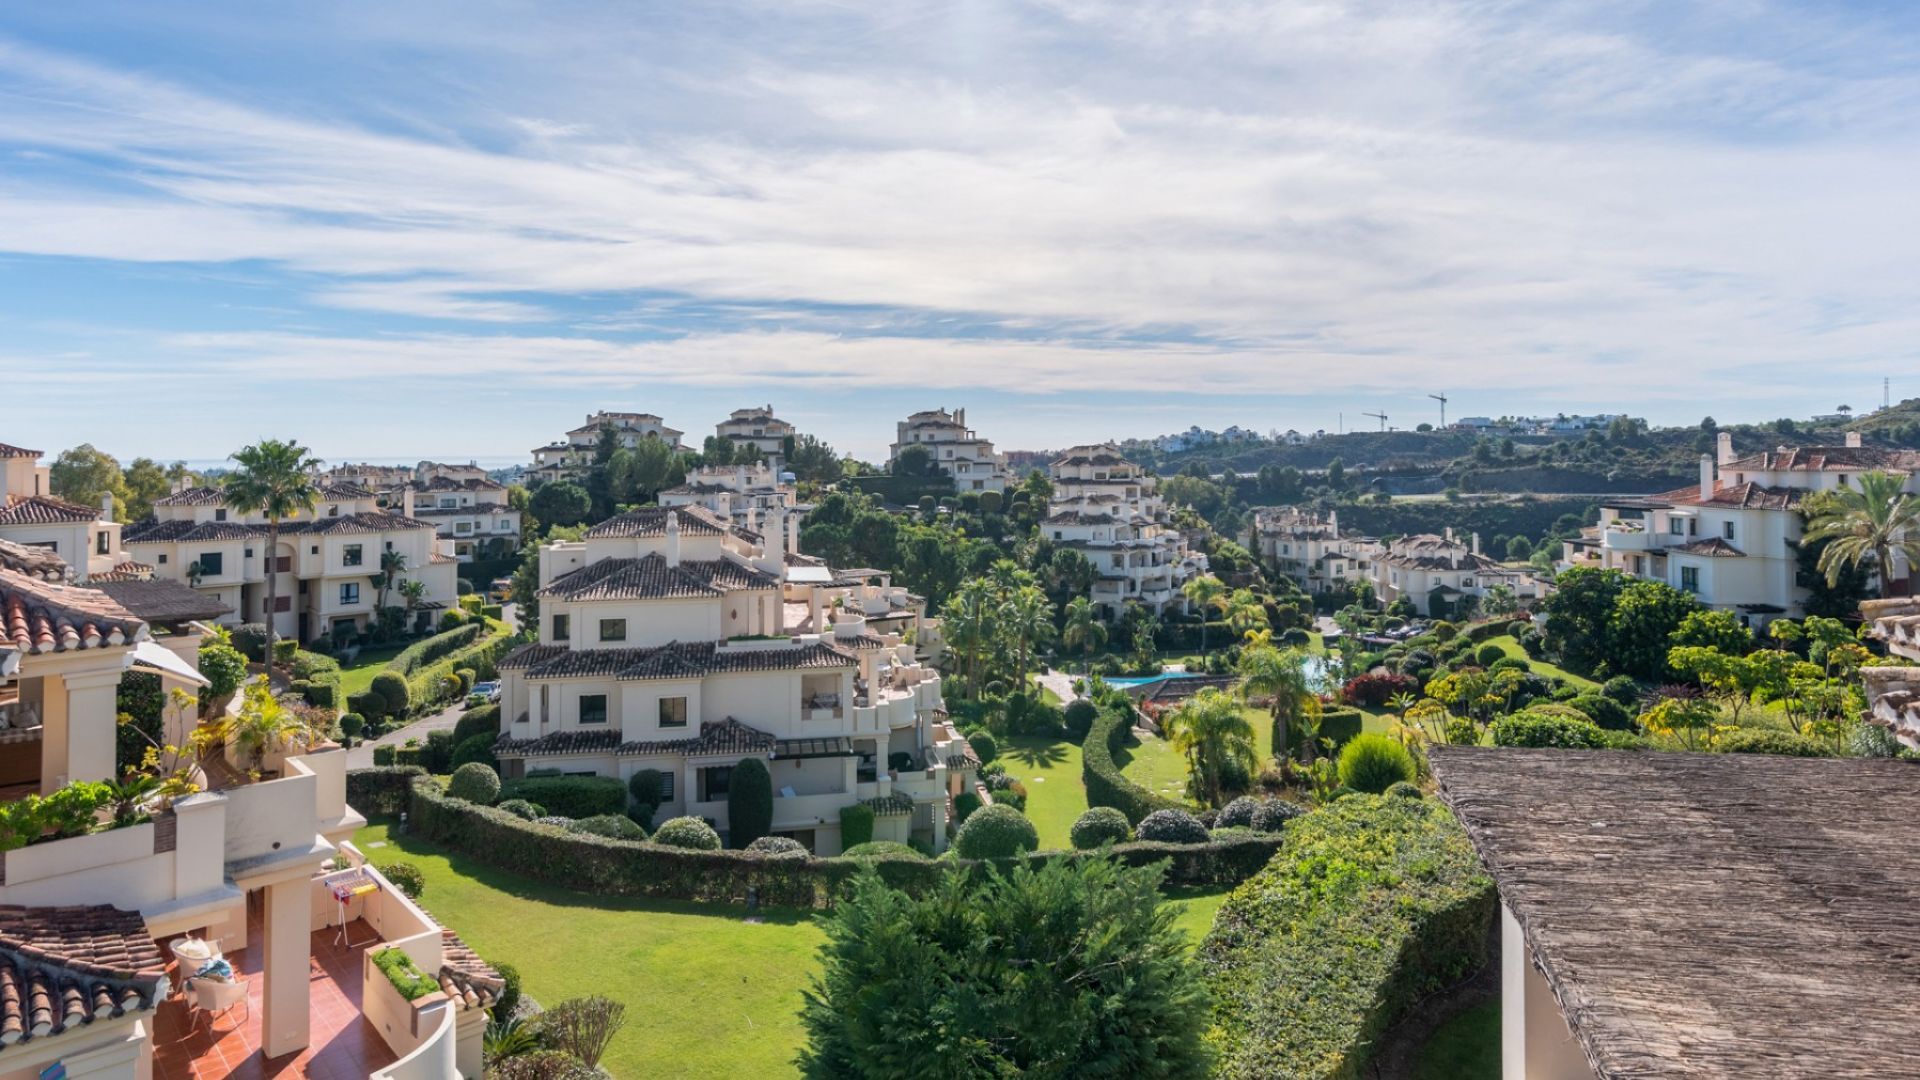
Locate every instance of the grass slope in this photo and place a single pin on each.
(1050, 769)
(1541, 667)
(1466, 1047)
(357, 677)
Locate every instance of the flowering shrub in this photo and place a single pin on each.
(1376, 688)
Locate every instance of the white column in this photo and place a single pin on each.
(285, 1027)
(92, 724)
(1535, 1043)
(940, 826)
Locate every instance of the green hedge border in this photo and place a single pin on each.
(426, 664)
(1106, 785)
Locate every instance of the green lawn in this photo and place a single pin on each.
(707, 993)
(358, 676)
(1050, 769)
(1196, 908)
(1154, 765)
(1542, 667)
(1466, 1047)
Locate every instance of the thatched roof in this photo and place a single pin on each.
(1709, 915)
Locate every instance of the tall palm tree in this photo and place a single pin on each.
(1204, 593)
(274, 478)
(1027, 617)
(966, 623)
(392, 565)
(1873, 521)
(1211, 731)
(1084, 630)
(413, 591)
(1281, 675)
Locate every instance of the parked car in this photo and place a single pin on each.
(483, 693)
(501, 590)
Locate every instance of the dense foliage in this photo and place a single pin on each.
(570, 796)
(995, 832)
(749, 802)
(690, 833)
(1100, 825)
(475, 783)
(1172, 827)
(1372, 763)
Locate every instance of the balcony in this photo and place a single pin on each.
(1621, 538)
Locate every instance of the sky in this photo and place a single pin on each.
(452, 230)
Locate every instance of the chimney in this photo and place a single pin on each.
(673, 539)
(1449, 534)
(1476, 543)
(1333, 520)
(106, 506)
(1706, 476)
(1853, 439)
(1726, 447)
(793, 534)
(753, 516)
(406, 500)
(960, 417)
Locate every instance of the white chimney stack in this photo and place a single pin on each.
(753, 516)
(793, 534)
(1725, 442)
(1706, 476)
(106, 506)
(406, 500)
(1853, 438)
(673, 539)
(1476, 543)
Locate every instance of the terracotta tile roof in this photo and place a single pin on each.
(150, 531)
(893, 804)
(64, 967)
(527, 656)
(193, 496)
(682, 661)
(467, 980)
(729, 736)
(34, 562)
(7, 450)
(1747, 496)
(437, 557)
(652, 521)
(342, 492)
(1827, 459)
(45, 510)
(1430, 552)
(1712, 547)
(41, 616)
(650, 578)
(364, 522)
(1075, 517)
(162, 600)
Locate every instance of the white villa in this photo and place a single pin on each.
(471, 513)
(742, 494)
(954, 448)
(386, 477)
(1110, 510)
(85, 537)
(571, 456)
(671, 639)
(1732, 540)
(88, 986)
(1433, 571)
(759, 428)
(325, 563)
(1307, 547)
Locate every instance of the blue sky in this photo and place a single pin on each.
(419, 229)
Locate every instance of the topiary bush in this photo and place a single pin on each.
(998, 832)
(352, 724)
(1489, 655)
(476, 750)
(881, 849)
(984, 746)
(964, 805)
(1783, 743)
(1100, 825)
(523, 809)
(475, 783)
(779, 847)
(383, 756)
(1622, 690)
(1171, 827)
(368, 704)
(1272, 815)
(611, 826)
(251, 640)
(509, 998)
(480, 720)
(856, 825)
(1404, 790)
(1079, 716)
(1604, 711)
(689, 833)
(1532, 727)
(1372, 762)
(392, 688)
(749, 802)
(1237, 814)
(437, 754)
(570, 796)
(405, 876)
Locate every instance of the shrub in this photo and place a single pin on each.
(1068, 970)
(405, 876)
(1488, 655)
(1171, 827)
(1622, 690)
(251, 641)
(1377, 688)
(1237, 814)
(1106, 786)
(996, 832)
(1272, 815)
(779, 847)
(856, 825)
(1305, 975)
(1372, 762)
(984, 745)
(352, 724)
(877, 849)
(541, 1065)
(645, 787)
(1604, 711)
(964, 804)
(508, 1000)
(1511, 663)
(437, 754)
(392, 690)
(523, 809)
(1404, 789)
(1784, 743)
(582, 1027)
(320, 694)
(749, 802)
(690, 833)
(611, 826)
(382, 790)
(1533, 727)
(465, 675)
(225, 670)
(383, 755)
(475, 783)
(477, 750)
(571, 796)
(368, 704)
(1079, 717)
(492, 611)
(405, 976)
(1100, 825)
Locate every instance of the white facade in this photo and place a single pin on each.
(86, 538)
(1110, 510)
(1309, 548)
(469, 513)
(759, 428)
(954, 448)
(743, 494)
(572, 455)
(670, 639)
(1427, 568)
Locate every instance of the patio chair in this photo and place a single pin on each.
(211, 998)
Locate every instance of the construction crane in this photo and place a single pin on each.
(1442, 399)
(1380, 416)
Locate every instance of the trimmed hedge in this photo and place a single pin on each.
(571, 796)
(856, 825)
(427, 665)
(381, 792)
(425, 651)
(1784, 743)
(995, 832)
(1339, 723)
(1308, 968)
(481, 720)
(1537, 728)
(475, 783)
(1100, 825)
(1105, 784)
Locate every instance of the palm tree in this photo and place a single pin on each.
(1871, 521)
(1084, 630)
(1244, 611)
(1211, 731)
(413, 592)
(273, 478)
(1026, 616)
(1204, 593)
(392, 565)
(1281, 675)
(966, 623)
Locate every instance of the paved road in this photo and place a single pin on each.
(361, 756)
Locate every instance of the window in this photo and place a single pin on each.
(673, 712)
(211, 563)
(249, 553)
(1677, 526)
(1690, 579)
(448, 502)
(283, 603)
(220, 514)
(714, 781)
(613, 629)
(100, 543)
(163, 559)
(314, 549)
(349, 592)
(1726, 530)
(593, 708)
(351, 555)
(1843, 480)
(666, 785)
(562, 627)
(462, 528)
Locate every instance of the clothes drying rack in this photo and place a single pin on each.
(345, 885)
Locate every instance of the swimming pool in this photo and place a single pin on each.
(1317, 670)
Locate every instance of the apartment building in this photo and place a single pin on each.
(1109, 509)
(85, 537)
(324, 563)
(671, 639)
(1443, 577)
(1732, 540)
(759, 428)
(953, 448)
(571, 456)
(1307, 546)
(470, 513)
(387, 477)
(742, 494)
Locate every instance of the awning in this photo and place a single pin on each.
(168, 662)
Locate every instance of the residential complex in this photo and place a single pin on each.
(471, 513)
(84, 537)
(759, 428)
(1109, 509)
(1442, 577)
(1732, 540)
(953, 448)
(671, 639)
(386, 477)
(743, 494)
(1308, 547)
(324, 564)
(570, 457)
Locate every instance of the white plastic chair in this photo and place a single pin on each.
(211, 997)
